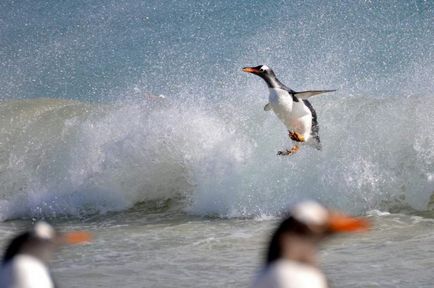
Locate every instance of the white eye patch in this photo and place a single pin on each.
(310, 213)
(44, 230)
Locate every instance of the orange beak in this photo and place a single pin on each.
(250, 70)
(342, 223)
(76, 237)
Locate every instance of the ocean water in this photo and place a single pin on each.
(133, 120)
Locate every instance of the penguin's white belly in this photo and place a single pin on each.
(289, 274)
(295, 115)
(25, 271)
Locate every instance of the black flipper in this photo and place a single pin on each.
(306, 94)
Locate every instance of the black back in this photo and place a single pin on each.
(289, 225)
(15, 246)
(315, 125)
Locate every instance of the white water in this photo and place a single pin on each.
(71, 158)
(210, 149)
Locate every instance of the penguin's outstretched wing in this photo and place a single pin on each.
(306, 94)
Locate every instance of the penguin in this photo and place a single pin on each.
(25, 261)
(292, 108)
(291, 256)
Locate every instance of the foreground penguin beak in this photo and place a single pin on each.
(250, 70)
(76, 237)
(342, 223)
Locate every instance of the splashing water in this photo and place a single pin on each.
(69, 158)
(209, 147)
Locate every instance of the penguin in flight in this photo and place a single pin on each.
(25, 261)
(292, 108)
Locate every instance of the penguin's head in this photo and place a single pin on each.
(261, 70)
(305, 226)
(41, 242)
(266, 74)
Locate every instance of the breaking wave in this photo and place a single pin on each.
(61, 157)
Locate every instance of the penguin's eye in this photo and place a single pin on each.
(261, 69)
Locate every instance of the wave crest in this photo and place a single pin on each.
(63, 157)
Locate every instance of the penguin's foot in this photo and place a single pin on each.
(290, 152)
(295, 136)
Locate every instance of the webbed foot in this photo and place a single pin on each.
(295, 136)
(290, 152)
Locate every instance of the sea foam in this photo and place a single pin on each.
(69, 158)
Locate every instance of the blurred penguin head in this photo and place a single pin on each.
(307, 224)
(42, 241)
